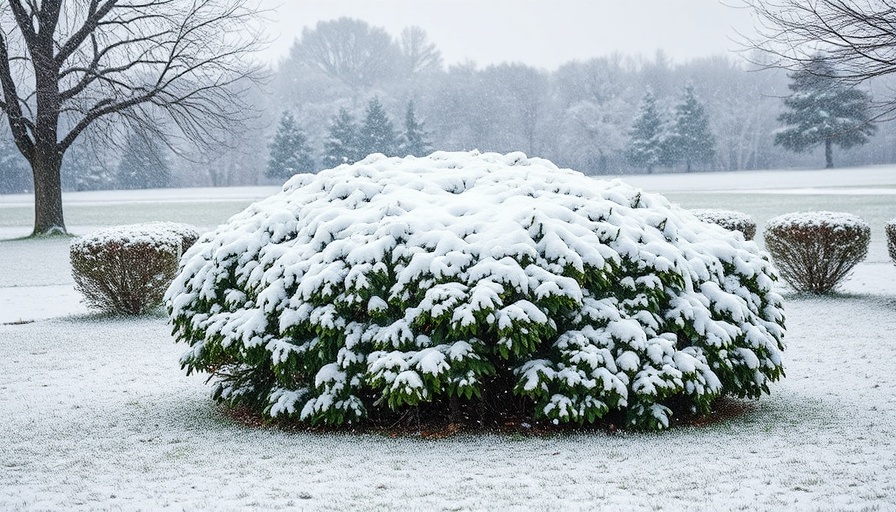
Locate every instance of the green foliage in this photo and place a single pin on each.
(377, 134)
(290, 153)
(646, 143)
(823, 111)
(341, 146)
(815, 251)
(505, 286)
(414, 140)
(84, 168)
(143, 163)
(690, 139)
(15, 174)
(124, 270)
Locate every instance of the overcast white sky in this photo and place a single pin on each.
(542, 33)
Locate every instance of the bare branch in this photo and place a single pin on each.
(349, 50)
(172, 66)
(419, 54)
(10, 106)
(23, 20)
(88, 29)
(858, 38)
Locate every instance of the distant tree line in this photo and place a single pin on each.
(347, 141)
(711, 113)
(347, 89)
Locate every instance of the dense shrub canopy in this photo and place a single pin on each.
(729, 219)
(126, 269)
(475, 282)
(815, 251)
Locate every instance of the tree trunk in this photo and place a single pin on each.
(828, 154)
(46, 157)
(48, 217)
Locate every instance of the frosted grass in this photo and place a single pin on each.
(96, 415)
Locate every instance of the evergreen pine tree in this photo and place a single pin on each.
(15, 175)
(690, 139)
(646, 135)
(823, 110)
(84, 169)
(341, 146)
(414, 141)
(377, 134)
(143, 163)
(290, 153)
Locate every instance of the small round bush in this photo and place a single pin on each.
(815, 251)
(729, 219)
(126, 269)
(891, 239)
(475, 286)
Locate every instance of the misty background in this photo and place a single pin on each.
(560, 80)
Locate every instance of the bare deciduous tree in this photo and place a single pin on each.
(419, 53)
(349, 50)
(68, 66)
(857, 38)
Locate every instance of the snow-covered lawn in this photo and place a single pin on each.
(96, 415)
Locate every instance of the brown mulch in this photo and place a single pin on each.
(409, 426)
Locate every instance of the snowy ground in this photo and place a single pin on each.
(96, 415)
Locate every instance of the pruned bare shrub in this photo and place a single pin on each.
(891, 239)
(126, 269)
(815, 251)
(729, 219)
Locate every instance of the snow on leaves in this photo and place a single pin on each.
(817, 219)
(400, 281)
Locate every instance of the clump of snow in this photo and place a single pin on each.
(400, 281)
(835, 221)
(161, 235)
(729, 219)
(816, 251)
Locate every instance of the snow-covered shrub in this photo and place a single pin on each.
(814, 251)
(126, 269)
(475, 283)
(729, 219)
(891, 239)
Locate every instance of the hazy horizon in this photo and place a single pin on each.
(538, 33)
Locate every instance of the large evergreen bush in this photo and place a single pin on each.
(815, 251)
(126, 269)
(479, 285)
